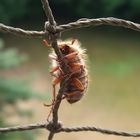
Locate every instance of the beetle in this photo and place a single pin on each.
(77, 83)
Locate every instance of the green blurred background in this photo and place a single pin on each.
(112, 100)
(17, 10)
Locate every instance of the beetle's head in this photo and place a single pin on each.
(65, 49)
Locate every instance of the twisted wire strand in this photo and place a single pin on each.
(50, 29)
(99, 21)
(48, 12)
(51, 135)
(69, 129)
(20, 32)
(73, 25)
(101, 130)
(23, 128)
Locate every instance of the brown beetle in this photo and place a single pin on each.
(78, 81)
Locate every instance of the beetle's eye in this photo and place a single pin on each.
(65, 50)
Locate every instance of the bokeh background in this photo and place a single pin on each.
(112, 100)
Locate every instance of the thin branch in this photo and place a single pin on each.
(99, 21)
(68, 129)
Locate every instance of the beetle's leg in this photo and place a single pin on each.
(72, 41)
(71, 55)
(46, 43)
(53, 57)
(54, 70)
(49, 114)
(78, 84)
(69, 75)
(76, 66)
(54, 83)
(61, 71)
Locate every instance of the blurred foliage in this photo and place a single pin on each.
(12, 10)
(12, 90)
(10, 58)
(101, 8)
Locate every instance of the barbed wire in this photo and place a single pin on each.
(53, 32)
